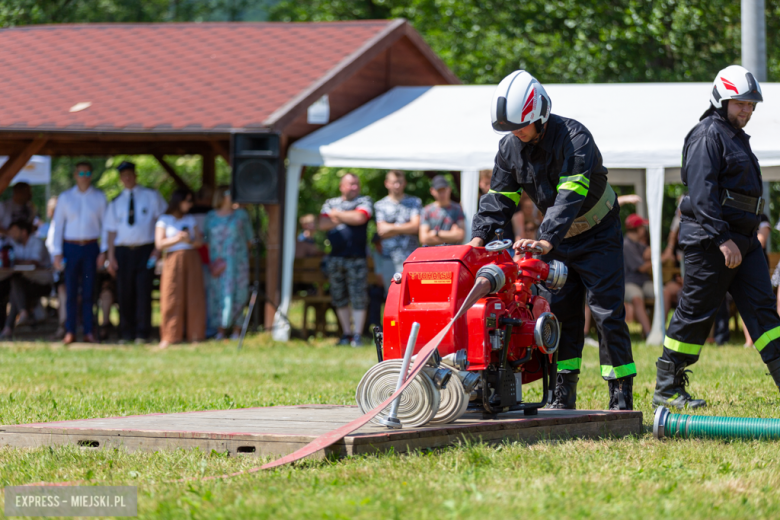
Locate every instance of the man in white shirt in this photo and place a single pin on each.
(27, 287)
(78, 223)
(129, 223)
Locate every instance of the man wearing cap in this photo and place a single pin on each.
(718, 222)
(130, 220)
(639, 283)
(78, 223)
(442, 221)
(556, 161)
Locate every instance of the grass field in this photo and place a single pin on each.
(620, 478)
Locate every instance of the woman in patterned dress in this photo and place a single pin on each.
(228, 232)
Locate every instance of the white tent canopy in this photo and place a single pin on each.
(639, 129)
(36, 171)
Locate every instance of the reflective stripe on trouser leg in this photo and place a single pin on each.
(568, 306)
(601, 268)
(705, 284)
(595, 262)
(609, 372)
(570, 364)
(752, 293)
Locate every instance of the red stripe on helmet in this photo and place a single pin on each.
(528, 107)
(729, 85)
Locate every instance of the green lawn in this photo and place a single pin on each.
(620, 478)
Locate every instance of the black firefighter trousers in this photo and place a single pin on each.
(706, 281)
(595, 263)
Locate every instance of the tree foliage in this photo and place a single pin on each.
(565, 40)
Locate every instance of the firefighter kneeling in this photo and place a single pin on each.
(558, 164)
(719, 219)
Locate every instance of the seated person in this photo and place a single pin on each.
(442, 221)
(27, 287)
(636, 258)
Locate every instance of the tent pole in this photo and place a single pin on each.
(655, 178)
(469, 197)
(281, 327)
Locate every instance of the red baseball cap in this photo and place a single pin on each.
(634, 221)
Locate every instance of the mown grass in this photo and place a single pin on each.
(620, 478)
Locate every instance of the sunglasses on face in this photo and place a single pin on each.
(85, 174)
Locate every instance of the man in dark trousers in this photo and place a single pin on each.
(718, 223)
(556, 161)
(129, 224)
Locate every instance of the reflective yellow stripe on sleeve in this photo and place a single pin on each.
(576, 183)
(511, 195)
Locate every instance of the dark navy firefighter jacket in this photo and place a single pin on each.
(563, 174)
(718, 157)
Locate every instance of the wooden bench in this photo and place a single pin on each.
(308, 271)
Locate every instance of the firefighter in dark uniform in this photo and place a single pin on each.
(718, 223)
(556, 162)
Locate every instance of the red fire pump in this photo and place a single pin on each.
(506, 337)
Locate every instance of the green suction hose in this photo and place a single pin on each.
(667, 424)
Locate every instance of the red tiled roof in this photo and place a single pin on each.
(166, 77)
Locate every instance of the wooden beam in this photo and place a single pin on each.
(209, 172)
(273, 262)
(17, 161)
(171, 172)
(220, 149)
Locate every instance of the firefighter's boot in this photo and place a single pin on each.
(774, 371)
(565, 395)
(621, 393)
(670, 386)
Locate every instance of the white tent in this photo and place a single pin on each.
(639, 129)
(36, 171)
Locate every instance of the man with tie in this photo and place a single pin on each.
(129, 223)
(78, 222)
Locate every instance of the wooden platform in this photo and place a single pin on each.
(280, 430)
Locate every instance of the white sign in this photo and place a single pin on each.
(37, 171)
(319, 112)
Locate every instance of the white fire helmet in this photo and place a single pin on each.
(519, 100)
(735, 82)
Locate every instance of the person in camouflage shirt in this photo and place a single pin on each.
(442, 221)
(397, 223)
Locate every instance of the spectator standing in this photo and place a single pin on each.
(27, 288)
(59, 278)
(78, 223)
(228, 233)
(346, 219)
(397, 224)
(442, 221)
(636, 258)
(18, 207)
(305, 246)
(130, 223)
(182, 296)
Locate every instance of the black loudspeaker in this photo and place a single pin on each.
(256, 164)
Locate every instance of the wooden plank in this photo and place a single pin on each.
(16, 162)
(277, 431)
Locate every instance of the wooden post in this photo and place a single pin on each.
(16, 162)
(209, 172)
(273, 273)
(220, 149)
(171, 172)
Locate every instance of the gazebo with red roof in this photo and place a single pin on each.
(186, 88)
